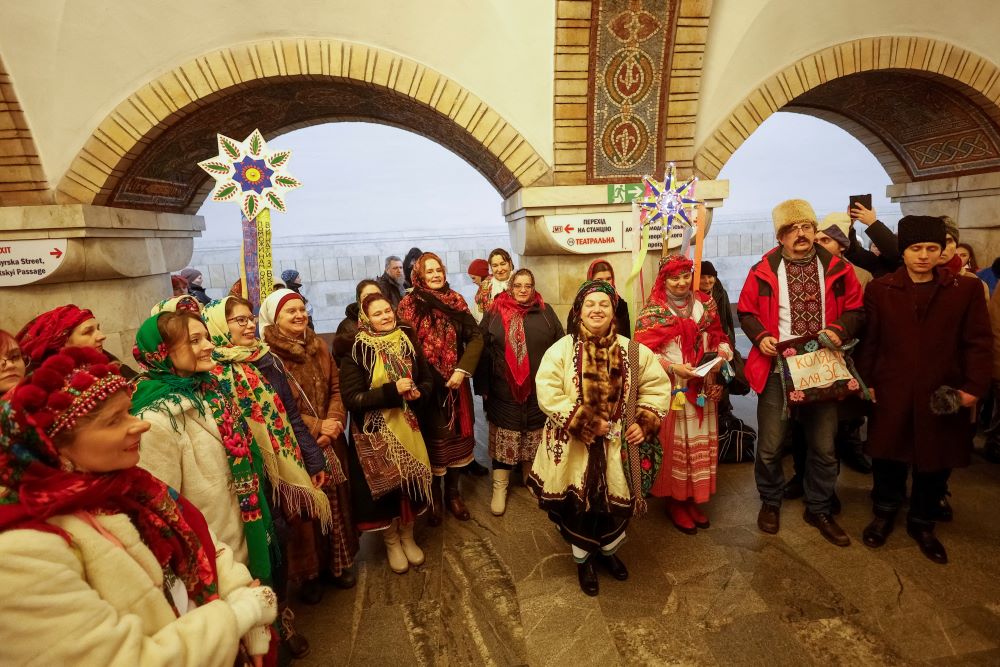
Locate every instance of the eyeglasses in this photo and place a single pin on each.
(801, 227)
(243, 320)
(12, 359)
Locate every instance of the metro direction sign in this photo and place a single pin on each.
(595, 233)
(25, 262)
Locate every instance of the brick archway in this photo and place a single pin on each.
(925, 108)
(145, 153)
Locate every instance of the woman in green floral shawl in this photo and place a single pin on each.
(199, 443)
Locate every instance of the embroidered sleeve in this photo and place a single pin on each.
(557, 364)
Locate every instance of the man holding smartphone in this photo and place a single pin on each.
(888, 259)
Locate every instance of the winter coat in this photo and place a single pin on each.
(905, 359)
(198, 292)
(313, 377)
(758, 307)
(889, 258)
(994, 307)
(390, 290)
(273, 371)
(95, 602)
(360, 399)
(622, 321)
(560, 469)
(193, 461)
(343, 340)
(541, 331)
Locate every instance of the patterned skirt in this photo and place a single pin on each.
(513, 447)
(690, 454)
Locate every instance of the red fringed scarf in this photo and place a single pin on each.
(516, 349)
(33, 489)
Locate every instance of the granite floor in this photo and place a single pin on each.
(503, 590)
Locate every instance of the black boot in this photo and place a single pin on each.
(588, 577)
(923, 535)
(297, 645)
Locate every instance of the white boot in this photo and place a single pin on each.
(414, 554)
(501, 479)
(398, 562)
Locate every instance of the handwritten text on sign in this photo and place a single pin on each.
(816, 370)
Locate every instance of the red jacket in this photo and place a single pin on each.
(758, 307)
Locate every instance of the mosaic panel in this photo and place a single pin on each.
(934, 129)
(628, 70)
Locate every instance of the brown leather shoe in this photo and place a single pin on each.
(769, 518)
(453, 495)
(828, 528)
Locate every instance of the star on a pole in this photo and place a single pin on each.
(667, 202)
(248, 173)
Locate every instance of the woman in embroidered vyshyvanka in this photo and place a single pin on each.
(315, 383)
(451, 341)
(102, 563)
(491, 287)
(590, 383)
(248, 373)
(198, 442)
(517, 331)
(681, 326)
(383, 381)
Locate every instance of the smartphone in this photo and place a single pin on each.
(864, 200)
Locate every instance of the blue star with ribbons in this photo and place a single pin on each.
(668, 201)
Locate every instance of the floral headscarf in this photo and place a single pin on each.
(266, 415)
(589, 287)
(182, 302)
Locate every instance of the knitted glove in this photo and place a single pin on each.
(253, 606)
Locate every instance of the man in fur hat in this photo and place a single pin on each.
(926, 371)
(796, 289)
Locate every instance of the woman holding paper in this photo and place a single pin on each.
(683, 328)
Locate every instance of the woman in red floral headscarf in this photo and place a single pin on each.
(452, 342)
(682, 326)
(102, 561)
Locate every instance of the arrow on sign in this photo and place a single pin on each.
(57, 253)
(569, 229)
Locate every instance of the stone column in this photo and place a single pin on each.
(534, 213)
(972, 201)
(117, 263)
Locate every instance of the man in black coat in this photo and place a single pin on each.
(926, 354)
(887, 259)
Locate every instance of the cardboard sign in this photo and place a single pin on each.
(816, 370)
(24, 262)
